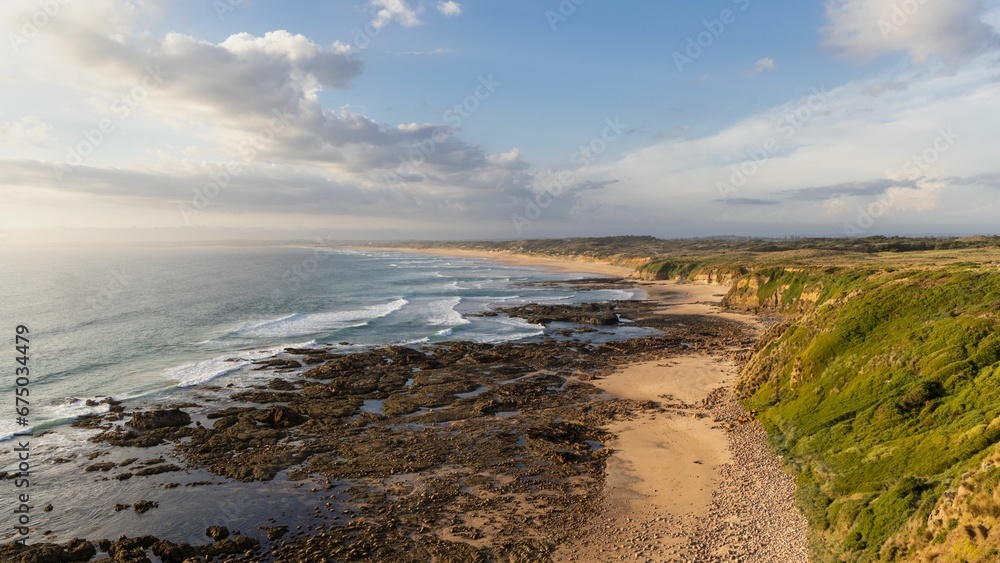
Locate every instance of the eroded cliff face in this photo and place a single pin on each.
(713, 277)
(766, 292)
(700, 276)
(628, 261)
(771, 289)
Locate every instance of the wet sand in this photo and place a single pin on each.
(698, 483)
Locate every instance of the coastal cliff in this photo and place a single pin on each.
(880, 387)
(881, 390)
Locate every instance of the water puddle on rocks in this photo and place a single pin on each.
(472, 393)
(373, 406)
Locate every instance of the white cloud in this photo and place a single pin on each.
(926, 148)
(450, 8)
(338, 162)
(215, 97)
(834, 206)
(393, 10)
(952, 30)
(923, 197)
(510, 160)
(26, 130)
(759, 67)
(239, 81)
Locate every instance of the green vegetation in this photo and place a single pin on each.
(882, 394)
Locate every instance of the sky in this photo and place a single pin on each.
(142, 120)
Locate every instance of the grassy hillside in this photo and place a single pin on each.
(882, 394)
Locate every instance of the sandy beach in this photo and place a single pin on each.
(698, 482)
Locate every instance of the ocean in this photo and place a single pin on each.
(152, 325)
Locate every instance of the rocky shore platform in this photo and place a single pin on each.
(461, 452)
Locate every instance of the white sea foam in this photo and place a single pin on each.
(442, 313)
(509, 329)
(495, 297)
(519, 323)
(207, 370)
(8, 428)
(537, 299)
(489, 283)
(299, 324)
(501, 338)
(74, 407)
(344, 250)
(65, 410)
(610, 294)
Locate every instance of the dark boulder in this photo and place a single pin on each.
(170, 552)
(282, 417)
(159, 419)
(232, 546)
(217, 533)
